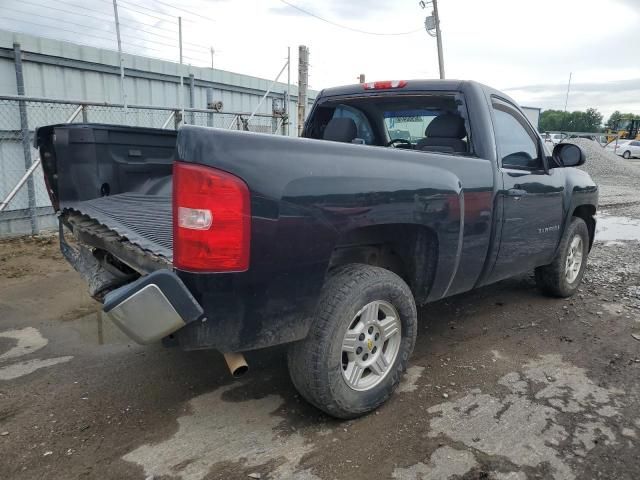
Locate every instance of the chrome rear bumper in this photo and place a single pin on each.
(152, 307)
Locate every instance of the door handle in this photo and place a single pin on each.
(516, 192)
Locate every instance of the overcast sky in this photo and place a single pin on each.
(527, 48)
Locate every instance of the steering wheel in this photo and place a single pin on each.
(393, 142)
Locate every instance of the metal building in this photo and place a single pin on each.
(533, 114)
(65, 82)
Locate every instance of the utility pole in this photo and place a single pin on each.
(287, 100)
(303, 84)
(438, 39)
(432, 26)
(566, 99)
(179, 37)
(566, 102)
(181, 93)
(123, 93)
(212, 58)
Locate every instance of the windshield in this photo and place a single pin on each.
(408, 124)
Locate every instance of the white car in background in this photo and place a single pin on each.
(625, 148)
(554, 138)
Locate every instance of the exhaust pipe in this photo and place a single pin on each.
(236, 363)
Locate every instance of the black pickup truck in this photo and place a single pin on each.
(400, 193)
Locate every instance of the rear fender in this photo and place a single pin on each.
(433, 199)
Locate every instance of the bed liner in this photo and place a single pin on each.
(144, 220)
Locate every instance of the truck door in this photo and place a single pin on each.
(532, 198)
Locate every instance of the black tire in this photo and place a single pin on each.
(316, 363)
(626, 155)
(552, 278)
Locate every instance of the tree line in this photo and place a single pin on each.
(578, 121)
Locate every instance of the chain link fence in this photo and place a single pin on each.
(29, 211)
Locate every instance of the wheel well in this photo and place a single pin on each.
(587, 213)
(408, 250)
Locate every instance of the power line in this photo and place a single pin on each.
(128, 35)
(75, 5)
(57, 28)
(110, 16)
(171, 20)
(197, 15)
(106, 31)
(346, 27)
(43, 17)
(145, 46)
(153, 14)
(57, 37)
(174, 38)
(48, 7)
(123, 24)
(134, 8)
(130, 6)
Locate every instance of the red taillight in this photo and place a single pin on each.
(211, 220)
(385, 85)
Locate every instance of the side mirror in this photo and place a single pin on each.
(568, 155)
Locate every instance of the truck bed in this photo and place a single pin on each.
(143, 220)
(112, 186)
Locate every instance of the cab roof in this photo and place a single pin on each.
(411, 85)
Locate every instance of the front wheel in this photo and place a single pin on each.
(363, 332)
(562, 277)
(626, 155)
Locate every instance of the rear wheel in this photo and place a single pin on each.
(626, 155)
(562, 277)
(359, 344)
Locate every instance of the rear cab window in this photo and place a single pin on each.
(430, 121)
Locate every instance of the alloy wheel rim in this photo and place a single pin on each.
(574, 259)
(370, 345)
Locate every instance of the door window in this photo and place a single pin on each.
(517, 145)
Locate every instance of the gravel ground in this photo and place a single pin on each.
(604, 165)
(504, 384)
(617, 178)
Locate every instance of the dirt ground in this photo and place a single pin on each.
(504, 384)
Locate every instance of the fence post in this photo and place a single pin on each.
(192, 88)
(85, 117)
(209, 103)
(285, 123)
(274, 117)
(26, 138)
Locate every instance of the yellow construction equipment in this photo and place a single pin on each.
(627, 128)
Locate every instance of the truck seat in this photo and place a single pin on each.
(444, 134)
(340, 130)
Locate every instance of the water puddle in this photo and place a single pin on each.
(610, 228)
(98, 329)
